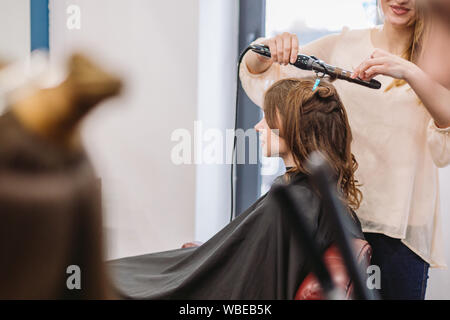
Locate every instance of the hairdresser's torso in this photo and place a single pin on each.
(390, 131)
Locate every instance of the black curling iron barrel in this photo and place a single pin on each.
(311, 63)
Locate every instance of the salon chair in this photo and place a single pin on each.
(310, 288)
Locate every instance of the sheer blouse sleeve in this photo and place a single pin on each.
(439, 144)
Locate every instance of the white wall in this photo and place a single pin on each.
(149, 202)
(14, 29)
(439, 283)
(218, 51)
(14, 34)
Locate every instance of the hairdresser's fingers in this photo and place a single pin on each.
(287, 47)
(369, 63)
(260, 57)
(295, 48)
(280, 49)
(356, 72)
(360, 70)
(374, 71)
(272, 44)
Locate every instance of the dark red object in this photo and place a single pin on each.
(194, 244)
(310, 288)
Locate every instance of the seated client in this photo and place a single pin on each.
(257, 256)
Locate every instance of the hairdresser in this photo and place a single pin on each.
(399, 141)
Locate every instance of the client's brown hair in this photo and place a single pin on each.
(314, 121)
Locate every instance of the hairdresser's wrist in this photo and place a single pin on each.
(413, 73)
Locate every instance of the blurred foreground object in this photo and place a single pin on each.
(21, 78)
(50, 200)
(54, 113)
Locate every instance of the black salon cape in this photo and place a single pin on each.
(256, 256)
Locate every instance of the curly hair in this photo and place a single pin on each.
(314, 121)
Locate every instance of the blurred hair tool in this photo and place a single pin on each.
(296, 215)
(312, 63)
(321, 177)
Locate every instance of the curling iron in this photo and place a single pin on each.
(312, 63)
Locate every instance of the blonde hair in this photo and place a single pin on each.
(414, 49)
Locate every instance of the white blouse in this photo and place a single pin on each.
(395, 141)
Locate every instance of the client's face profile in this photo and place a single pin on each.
(272, 144)
(399, 12)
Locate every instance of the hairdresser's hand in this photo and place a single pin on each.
(283, 48)
(384, 63)
(194, 244)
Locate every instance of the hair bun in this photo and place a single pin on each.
(324, 92)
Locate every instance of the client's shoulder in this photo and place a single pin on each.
(299, 185)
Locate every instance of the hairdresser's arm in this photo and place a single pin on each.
(258, 73)
(433, 95)
(285, 48)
